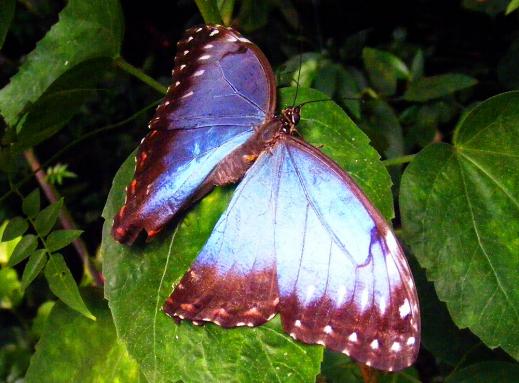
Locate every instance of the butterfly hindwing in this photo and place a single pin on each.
(233, 280)
(343, 279)
(335, 270)
(222, 88)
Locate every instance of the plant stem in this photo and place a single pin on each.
(65, 217)
(209, 11)
(399, 160)
(136, 72)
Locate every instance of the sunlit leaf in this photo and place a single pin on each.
(23, 249)
(73, 348)
(16, 227)
(10, 290)
(460, 214)
(63, 285)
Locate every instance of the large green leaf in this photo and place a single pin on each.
(85, 30)
(460, 213)
(384, 68)
(73, 348)
(140, 278)
(429, 88)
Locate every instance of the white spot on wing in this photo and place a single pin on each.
(199, 72)
(410, 341)
(353, 337)
(205, 57)
(198, 30)
(297, 323)
(182, 66)
(396, 347)
(232, 39)
(405, 309)
(186, 52)
(328, 329)
(207, 46)
(321, 342)
(374, 344)
(187, 95)
(189, 38)
(214, 32)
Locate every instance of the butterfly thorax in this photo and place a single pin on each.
(290, 117)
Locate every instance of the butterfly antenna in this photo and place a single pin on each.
(329, 99)
(300, 64)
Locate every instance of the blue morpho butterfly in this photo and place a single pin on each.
(298, 238)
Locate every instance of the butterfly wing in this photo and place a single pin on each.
(333, 267)
(233, 280)
(343, 279)
(223, 87)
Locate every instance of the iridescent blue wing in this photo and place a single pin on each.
(222, 89)
(300, 238)
(233, 280)
(343, 279)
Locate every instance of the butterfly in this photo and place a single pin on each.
(299, 237)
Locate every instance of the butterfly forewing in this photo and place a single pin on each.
(341, 278)
(222, 89)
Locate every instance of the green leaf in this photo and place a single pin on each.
(46, 219)
(417, 66)
(63, 285)
(36, 262)
(347, 87)
(85, 30)
(512, 6)
(39, 322)
(58, 239)
(384, 68)
(300, 69)
(15, 228)
(209, 11)
(490, 7)
(23, 249)
(7, 8)
(10, 291)
(226, 8)
(460, 214)
(139, 278)
(75, 349)
(253, 15)
(59, 103)
(7, 248)
(31, 203)
(429, 88)
(486, 372)
(337, 368)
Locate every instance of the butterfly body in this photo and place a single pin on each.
(299, 237)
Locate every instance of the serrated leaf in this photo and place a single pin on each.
(86, 30)
(460, 214)
(486, 372)
(36, 263)
(16, 227)
(23, 249)
(80, 350)
(139, 278)
(46, 219)
(10, 291)
(512, 6)
(6, 16)
(31, 203)
(63, 285)
(429, 88)
(384, 69)
(58, 239)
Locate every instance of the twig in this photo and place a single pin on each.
(136, 72)
(66, 220)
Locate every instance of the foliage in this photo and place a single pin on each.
(405, 89)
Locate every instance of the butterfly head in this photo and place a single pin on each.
(290, 118)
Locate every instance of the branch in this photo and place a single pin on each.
(136, 72)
